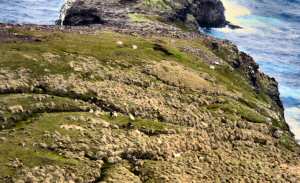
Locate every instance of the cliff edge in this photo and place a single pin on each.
(137, 95)
(190, 13)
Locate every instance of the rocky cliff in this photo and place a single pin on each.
(138, 97)
(191, 13)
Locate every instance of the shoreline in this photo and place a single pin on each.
(291, 114)
(231, 17)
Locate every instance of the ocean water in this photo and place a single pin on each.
(43, 12)
(271, 34)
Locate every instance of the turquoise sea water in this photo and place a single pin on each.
(271, 34)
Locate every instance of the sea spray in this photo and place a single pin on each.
(67, 4)
(271, 35)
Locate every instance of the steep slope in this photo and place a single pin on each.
(139, 100)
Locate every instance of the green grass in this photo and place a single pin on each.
(30, 155)
(245, 112)
(28, 100)
(157, 4)
(31, 109)
(138, 123)
(103, 47)
(233, 81)
(288, 142)
(68, 47)
(106, 53)
(135, 17)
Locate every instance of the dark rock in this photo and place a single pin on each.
(208, 13)
(79, 14)
(191, 22)
(233, 26)
(260, 141)
(129, 126)
(260, 82)
(205, 13)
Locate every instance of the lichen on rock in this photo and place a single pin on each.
(135, 99)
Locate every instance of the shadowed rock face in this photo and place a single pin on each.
(208, 13)
(79, 14)
(83, 17)
(205, 13)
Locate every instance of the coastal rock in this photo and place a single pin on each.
(209, 13)
(205, 13)
(137, 99)
(259, 81)
(80, 14)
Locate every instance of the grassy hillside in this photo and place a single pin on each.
(92, 106)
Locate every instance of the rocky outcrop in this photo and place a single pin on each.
(205, 13)
(250, 69)
(78, 14)
(208, 13)
(137, 99)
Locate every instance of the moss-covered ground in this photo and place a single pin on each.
(117, 69)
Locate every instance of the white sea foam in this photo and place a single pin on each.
(234, 10)
(233, 13)
(292, 117)
(65, 7)
(30, 11)
(271, 35)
